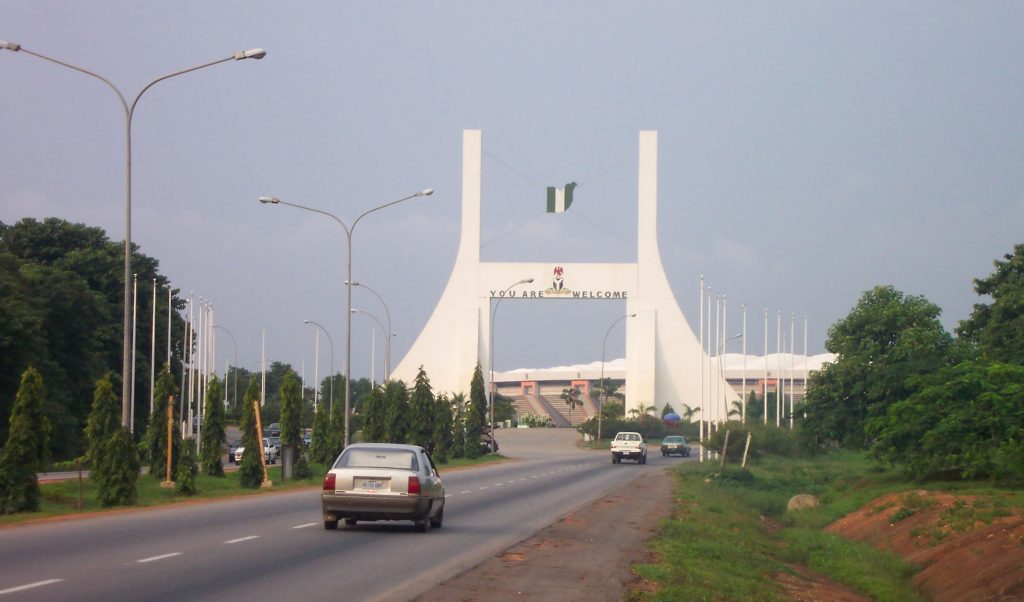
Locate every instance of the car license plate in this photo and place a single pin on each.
(372, 484)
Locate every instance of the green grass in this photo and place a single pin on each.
(731, 533)
(61, 498)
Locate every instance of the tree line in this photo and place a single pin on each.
(935, 403)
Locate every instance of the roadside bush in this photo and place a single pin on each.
(185, 478)
(766, 440)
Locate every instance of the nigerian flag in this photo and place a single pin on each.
(559, 199)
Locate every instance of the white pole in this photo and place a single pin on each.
(700, 362)
(152, 353)
(373, 356)
(778, 372)
(316, 370)
(805, 358)
(743, 387)
(765, 381)
(718, 360)
(721, 366)
(201, 367)
(792, 350)
(191, 358)
(169, 327)
(263, 369)
(135, 313)
(707, 410)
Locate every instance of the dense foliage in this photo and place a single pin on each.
(164, 393)
(185, 476)
(252, 468)
(61, 295)
(887, 338)
(933, 405)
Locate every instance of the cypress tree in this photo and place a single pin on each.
(396, 400)
(251, 469)
(336, 439)
(458, 446)
(375, 417)
(120, 469)
(291, 410)
(156, 433)
(421, 413)
(476, 413)
(443, 425)
(25, 451)
(185, 477)
(104, 420)
(214, 430)
(320, 441)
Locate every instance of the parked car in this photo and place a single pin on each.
(232, 450)
(383, 481)
(271, 450)
(273, 430)
(674, 444)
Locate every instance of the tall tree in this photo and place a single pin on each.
(337, 429)
(251, 469)
(24, 454)
(117, 485)
(396, 400)
(998, 327)
(458, 446)
(164, 391)
(476, 413)
(886, 339)
(443, 426)
(214, 434)
(320, 445)
(375, 417)
(291, 410)
(421, 413)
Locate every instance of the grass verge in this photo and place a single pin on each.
(731, 534)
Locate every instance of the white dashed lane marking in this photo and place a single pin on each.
(241, 539)
(21, 588)
(160, 557)
(305, 525)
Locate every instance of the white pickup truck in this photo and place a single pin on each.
(629, 445)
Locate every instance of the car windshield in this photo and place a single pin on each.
(275, 441)
(627, 437)
(402, 459)
(673, 439)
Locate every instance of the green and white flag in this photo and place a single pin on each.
(559, 199)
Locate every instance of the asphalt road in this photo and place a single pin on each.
(275, 546)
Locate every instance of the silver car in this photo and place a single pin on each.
(383, 481)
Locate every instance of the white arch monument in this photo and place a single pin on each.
(662, 353)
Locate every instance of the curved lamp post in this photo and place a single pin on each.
(129, 110)
(348, 296)
(387, 315)
(491, 388)
(331, 341)
(604, 385)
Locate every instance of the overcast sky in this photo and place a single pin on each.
(808, 151)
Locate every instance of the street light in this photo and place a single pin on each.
(331, 341)
(387, 313)
(375, 319)
(348, 296)
(490, 397)
(129, 110)
(604, 385)
(235, 342)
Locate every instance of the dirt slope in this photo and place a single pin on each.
(969, 547)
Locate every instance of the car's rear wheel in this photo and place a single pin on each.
(330, 525)
(437, 520)
(423, 525)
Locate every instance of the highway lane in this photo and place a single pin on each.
(274, 546)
